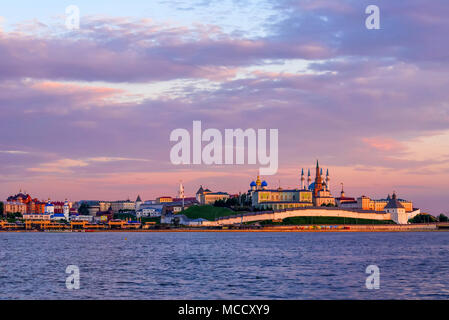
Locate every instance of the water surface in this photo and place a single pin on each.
(224, 265)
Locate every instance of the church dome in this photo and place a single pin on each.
(253, 184)
(264, 183)
(312, 186)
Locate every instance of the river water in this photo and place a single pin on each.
(413, 265)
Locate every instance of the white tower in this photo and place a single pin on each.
(181, 194)
(138, 203)
(66, 210)
(303, 180)
(309, 179)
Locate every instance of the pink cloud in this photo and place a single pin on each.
(383, 144)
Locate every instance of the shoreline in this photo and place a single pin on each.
(326, 229)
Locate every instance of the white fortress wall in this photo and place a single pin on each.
(298, 213)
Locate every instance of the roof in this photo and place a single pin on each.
(284, 202)
(282, 190)
(345, 199)
(394, 203)
(185, 199)
(138, 199)
(200, 190)
(217, 193)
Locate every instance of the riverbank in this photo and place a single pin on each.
(302, 228)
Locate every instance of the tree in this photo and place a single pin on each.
(1, 208)
(423, 218)
(83, 209)
(443, 218)
(12, 217)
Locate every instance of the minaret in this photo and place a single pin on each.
(328, 179)
(309, 179)
(318, 180)
(303, 180)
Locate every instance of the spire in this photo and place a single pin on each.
(303, 185)
(318, 179)
(327, 172)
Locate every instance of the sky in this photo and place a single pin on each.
(87, 114)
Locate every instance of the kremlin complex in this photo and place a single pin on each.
(310, 198)
(315, 194)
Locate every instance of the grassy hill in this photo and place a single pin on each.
(207, 212)
(211, 213)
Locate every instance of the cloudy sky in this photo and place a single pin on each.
(87, 114)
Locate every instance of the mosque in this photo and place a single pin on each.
(308, 195)
(316, 194)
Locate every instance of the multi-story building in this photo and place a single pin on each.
(368, 204)
(33, 205)
(205, 196)
(164, 199)
(104, 205)
(277, 199)
(123, 205)
(14, 207)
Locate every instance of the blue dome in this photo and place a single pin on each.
(312, 186)
(264, 183)
(253, 184)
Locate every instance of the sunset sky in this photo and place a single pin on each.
(87, 114)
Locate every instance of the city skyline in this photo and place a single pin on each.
(87, 114)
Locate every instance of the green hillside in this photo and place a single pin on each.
(207, 212)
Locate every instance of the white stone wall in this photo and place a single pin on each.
(300, 213)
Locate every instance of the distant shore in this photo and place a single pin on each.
(302, 228)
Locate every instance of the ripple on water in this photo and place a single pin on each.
(224, 265)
